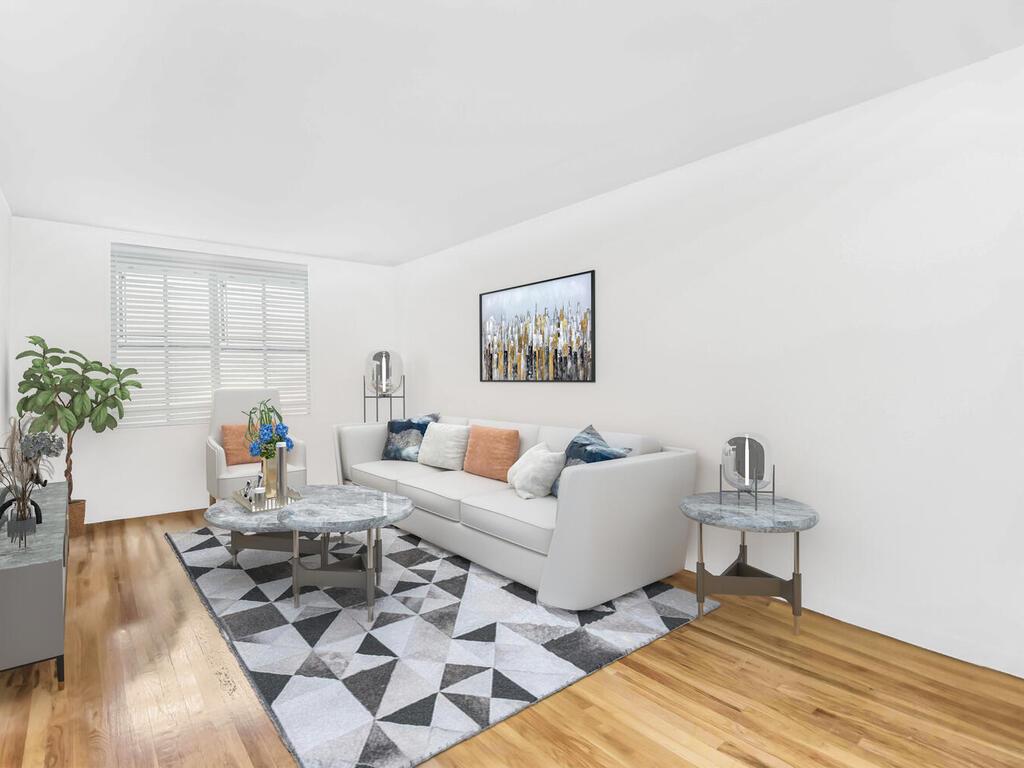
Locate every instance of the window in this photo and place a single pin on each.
(191, 322)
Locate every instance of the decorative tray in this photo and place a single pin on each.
(266, 504)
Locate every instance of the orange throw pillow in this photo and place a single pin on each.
(236, 447)
(491, 451)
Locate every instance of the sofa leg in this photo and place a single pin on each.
(212, 501)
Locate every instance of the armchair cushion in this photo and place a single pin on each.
(236, 448)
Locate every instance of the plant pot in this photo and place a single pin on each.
(76, 517)
(19, 530)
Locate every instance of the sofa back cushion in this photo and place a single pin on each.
(527, 432)
(444, 446)
(491, 451)
(236, 447)
(405, 436)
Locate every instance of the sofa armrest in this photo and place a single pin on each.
(216, 465)
(356, 443)
(619, 527)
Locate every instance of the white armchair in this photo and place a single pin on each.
(230, 406)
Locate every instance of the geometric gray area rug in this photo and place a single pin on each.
(453, 649)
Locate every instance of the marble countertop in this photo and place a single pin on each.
(784, 516)
(330, 508)
(341, 508)
(47, 543)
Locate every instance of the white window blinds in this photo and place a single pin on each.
(191, 322)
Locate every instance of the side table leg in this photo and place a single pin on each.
(743, 547)
(60, 671)
(700, 570)
(295, 568)
(371, 583)
(797, 609)
(325, 543)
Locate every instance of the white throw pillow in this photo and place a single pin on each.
(444, 445)
(532, 476)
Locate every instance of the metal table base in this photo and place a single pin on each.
(740, 578)
(348, 571)
(270, 542)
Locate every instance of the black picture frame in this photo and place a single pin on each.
(593, 331)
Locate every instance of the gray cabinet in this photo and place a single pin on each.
(33, 585)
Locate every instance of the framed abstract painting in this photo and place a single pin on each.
(542, 331)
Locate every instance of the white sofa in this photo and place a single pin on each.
(615, 526)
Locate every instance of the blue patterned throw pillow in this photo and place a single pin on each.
(586, 448)
(405, 437)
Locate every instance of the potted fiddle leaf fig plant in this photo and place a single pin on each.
(65, 391)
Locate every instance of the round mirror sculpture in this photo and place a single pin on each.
(746, 462)
(383, 372)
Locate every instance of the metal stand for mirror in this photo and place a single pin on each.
(739, 491)
(390, 398)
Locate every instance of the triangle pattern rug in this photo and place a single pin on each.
(453, 648)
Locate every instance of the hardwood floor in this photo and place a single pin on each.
(151, 682)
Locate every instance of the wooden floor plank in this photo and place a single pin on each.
(152, 682)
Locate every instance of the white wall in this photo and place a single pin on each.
(63, 276)
(5, 294)
(851, 289)
(6, 409)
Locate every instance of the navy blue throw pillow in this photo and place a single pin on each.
(405, 437)
(588, 447)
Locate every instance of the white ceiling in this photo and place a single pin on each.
(385, 130)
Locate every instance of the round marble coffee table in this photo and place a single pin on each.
(257, 530)
(743, 513)
(327, 509)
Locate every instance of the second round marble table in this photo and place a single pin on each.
(327, 509)
(741, 512)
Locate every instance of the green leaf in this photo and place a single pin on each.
(66, 420)
(77, 354)
(132, 383)
(56, 350)
(37, 340)
(55, 360)
(28, 353)
(39, 362)
(98, 419)
(129, 372)
(41, 424)
(81, 405)
(23, 405)
(43, 399)
(120, 410)
(24, 386)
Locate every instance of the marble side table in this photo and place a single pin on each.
(736, 512)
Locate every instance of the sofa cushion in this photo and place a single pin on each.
(441, 493)
(528, 523)
(527, 432)
(589, 447)
(491, 451)
(404, 437)
(558, 438)
(383, 474)
(536, 471)
(444, 446)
